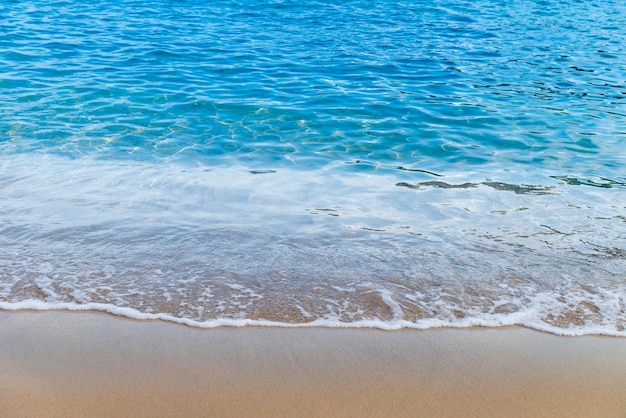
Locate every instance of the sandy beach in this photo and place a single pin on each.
(64, 364)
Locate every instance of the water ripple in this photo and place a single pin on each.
(438, 84)
(418, 163)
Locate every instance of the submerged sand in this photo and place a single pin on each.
(64, 364)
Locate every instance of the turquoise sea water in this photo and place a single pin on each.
(336, 163)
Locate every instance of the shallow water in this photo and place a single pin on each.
(397, 164)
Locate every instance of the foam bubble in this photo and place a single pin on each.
(225, 247)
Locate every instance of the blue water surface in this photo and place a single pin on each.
(375, 163)
(441, 86)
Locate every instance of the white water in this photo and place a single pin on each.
(226, 247)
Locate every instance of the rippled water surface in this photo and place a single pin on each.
(337, 163)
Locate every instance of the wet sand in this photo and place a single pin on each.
(68, 364)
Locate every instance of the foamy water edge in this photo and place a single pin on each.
(426, 324)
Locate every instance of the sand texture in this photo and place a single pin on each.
(63, 364)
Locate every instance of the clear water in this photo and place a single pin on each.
(335, 163)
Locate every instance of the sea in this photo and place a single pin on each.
(332, 163)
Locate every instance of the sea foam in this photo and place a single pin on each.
(226, 247)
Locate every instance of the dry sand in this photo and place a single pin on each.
(63, 364)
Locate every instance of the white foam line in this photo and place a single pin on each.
(396, 324)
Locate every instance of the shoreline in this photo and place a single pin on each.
(293, 248)
(59, 363)
(367, 324)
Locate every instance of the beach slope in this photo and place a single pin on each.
(64, 364)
